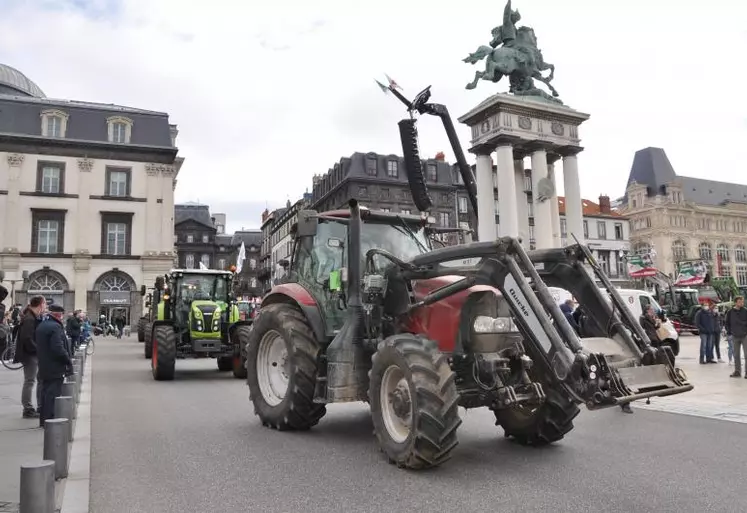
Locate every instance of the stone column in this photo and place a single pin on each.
(13, 203)
(522, 210)
(542, 199)
(485, 198)
(573, 206)
(509, 220)
(554, 208)
(83, 228)
(167, 212)
(153, 222)
(613, 264)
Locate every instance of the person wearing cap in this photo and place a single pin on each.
(54, 360)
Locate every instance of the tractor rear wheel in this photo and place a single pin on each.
(141, 330)
(281, 361)
(414, 402)
(241, 337)
(541, 425)
(225, 363)
(148, 349)
(164, 353)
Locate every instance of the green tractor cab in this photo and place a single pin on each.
(195, 316)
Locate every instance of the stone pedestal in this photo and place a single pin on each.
(515, 127)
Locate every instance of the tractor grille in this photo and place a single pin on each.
(207, 326)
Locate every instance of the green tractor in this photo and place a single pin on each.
(195, 316)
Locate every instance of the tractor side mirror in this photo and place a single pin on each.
(308, 223)
(143, 290)
(284, 263)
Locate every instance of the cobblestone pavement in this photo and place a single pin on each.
(715, 396)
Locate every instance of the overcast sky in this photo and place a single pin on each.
(266, 94)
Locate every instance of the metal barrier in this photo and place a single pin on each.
(37, 494)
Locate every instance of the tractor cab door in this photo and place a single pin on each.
(317, 265)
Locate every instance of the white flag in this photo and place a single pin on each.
(240, 259)
(202, 266)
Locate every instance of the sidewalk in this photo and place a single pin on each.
(715, 395)
(21, 439)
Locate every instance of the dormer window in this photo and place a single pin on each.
(53, 123)
(392, 168)
(120, 129)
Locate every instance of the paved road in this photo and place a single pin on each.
(194, 445)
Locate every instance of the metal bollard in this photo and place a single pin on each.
(68, 387)
(63, 409)
(37, 488)
(75, 380)
(56, 446)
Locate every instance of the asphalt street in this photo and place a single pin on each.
(194, 445)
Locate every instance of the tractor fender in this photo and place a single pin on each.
(296, 294)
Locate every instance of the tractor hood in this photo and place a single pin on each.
(206, 306)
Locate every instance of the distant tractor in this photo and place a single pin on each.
(194, 316)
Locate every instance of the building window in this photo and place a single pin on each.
(642, 248)
(586, 229)
(385, 194)
(53, 123)
(406, 211)
(205, 260)
(622, 267)
(705, 252)
(563, 228)
(618, 231)
(118, 182)
(371, 167)
(222, 264)
(604, 261)
(722, 250)
(362, 191)
(392, 168)
(48, 231)
(116, 236)
(739, 254)
(120, 129)
(252, 263)
(462, 205)
(497, 207)
(190, 238)
(444, 219)
(458, 176)
(601, 230)
(741, 275)
(189, 261)
(432, 173)
(205, 239)
(386, 210)
(50, 177)
(527, 183)
(679, 250)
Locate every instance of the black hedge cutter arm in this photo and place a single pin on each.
(411, 152)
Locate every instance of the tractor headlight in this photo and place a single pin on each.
(197, 313)
(484, 324)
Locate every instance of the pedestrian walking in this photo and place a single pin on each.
(26, 354)
(736, 329)
(119, 323)
(706, 324)
(54, 360)
(72, 328)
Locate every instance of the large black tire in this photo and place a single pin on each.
(148, 349)
(225, 363)
(141, 329)
(241, 337)
(433, 401)
(296, 410)
(163, 361)
(544, 425)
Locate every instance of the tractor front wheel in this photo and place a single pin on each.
(164, 353)
(225, 363)
(148, 349)
(281, 363)
(141, 330)
(241, 337)
(414, 402)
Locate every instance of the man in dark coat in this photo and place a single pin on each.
(73, 329)
(736, 328)
(650, 323)
(27, 355)
(54, 360)
(706, 324)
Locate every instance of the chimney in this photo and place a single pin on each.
(265, 214)
(604, 204)
(440, 156)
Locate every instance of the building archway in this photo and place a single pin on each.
(48, 283)
(117, 295)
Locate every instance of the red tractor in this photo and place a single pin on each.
(370, 312)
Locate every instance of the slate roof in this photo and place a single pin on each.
(193, 212)
(224, 240)
(652, 168)
(248, 237)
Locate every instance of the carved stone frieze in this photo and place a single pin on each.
(15, 159)
(85, 165)
(164, 169)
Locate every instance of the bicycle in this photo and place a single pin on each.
(90, 346)
(9, 353)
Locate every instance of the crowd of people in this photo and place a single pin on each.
(713, 326)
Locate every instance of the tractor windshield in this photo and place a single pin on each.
(195, 287)
(685, 298)
(405, 241)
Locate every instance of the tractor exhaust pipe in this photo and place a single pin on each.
(347, 365)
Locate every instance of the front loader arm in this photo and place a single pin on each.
(586, 376)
